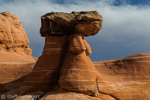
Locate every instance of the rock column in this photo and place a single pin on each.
(45, 74)
(64, 59)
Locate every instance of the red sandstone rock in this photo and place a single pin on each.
(13, 69)
(88, 50)
(15, 55)
(45, 74)
(74, 72)
(86, 29)
(77, 66)
(69, 96)
(12, 35)
(130, 75)
(14, 66)
(105, 97)
(76, 44)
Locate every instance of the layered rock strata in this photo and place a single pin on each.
(45, 74)
(131, 76)
(78, 72)
(14, 66)
(76, 67)
(15, 55)
(65, 51)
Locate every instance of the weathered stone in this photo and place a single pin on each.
(130, 76)
(13, 70)
(105, 97)
(74, 72)
(85, 22)
(86, 29)
(12, 35)
(16, 61)
(45, 74)
(14, 66)
(76, 44)
(68, 96)
(88, 50)
(77, 66)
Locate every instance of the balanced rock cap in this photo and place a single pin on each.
(59, 23)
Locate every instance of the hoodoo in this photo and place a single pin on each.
(65, 60)
(64, 70)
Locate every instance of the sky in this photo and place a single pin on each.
(125, 31)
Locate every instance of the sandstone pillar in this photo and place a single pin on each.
(65, 49)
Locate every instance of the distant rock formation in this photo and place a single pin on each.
(130, 77)
(15, 55)
(12, 35)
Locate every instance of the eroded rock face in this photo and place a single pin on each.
(15, 55)
(45, 74)
(14, 66)
(64, 37)
(76, 67)
(88, 23)
(74, 72)
(131, 76)
(12, 35)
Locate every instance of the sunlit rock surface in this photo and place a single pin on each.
(15, 55)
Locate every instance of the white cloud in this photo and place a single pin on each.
(122, 24)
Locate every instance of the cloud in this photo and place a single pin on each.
(121, 26)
